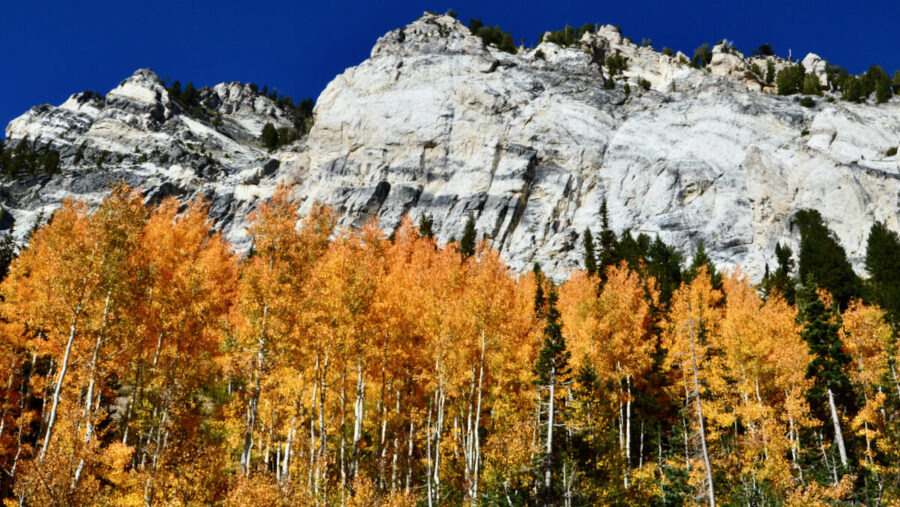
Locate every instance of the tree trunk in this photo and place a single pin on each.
(59, 383)
(254, 397)
(549, 445)
(838, 436)
(709, 479)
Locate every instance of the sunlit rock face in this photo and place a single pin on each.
(529, 144)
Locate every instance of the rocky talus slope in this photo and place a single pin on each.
(530, 144)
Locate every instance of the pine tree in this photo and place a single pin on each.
(609, 247)
(883, 265)
(7, 253)
(539, 300)
(781, 281)
(551, 372)
(590, 261)
(664, 264)
(831, 387)
(701, 258)
(426, 227)
(824, 259)
(467, 244)
(269, 137)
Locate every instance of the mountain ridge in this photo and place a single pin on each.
(438, 123)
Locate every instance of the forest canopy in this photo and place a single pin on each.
(144, 362)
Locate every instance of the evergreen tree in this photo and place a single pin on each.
(426, 226)
(824, 259)
(781, 281)
(831, 392)
(701, 258)
(539, 300)
(189, 95)
(551, 374)
(590, 261)
(7, 253)
(664, 264)
(790, 80)
(468, 241)
(269, 136)
(883, 265)
(609, 255)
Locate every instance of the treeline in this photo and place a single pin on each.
(143, 362)
(27, 159)
(300, 113)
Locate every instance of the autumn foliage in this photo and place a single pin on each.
(144, 362)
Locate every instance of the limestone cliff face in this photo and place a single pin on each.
(136, 134)
(530, 144)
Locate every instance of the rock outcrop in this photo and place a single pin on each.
(530, 144)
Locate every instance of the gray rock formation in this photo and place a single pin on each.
(530, 144)
(136, 134)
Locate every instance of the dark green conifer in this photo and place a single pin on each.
(468, 241)
(824, 259)
(590, 260)
(269, 136)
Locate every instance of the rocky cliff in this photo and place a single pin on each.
(435, 122)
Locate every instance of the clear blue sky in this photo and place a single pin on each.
(52, 49)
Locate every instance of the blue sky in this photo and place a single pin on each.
(52, 49)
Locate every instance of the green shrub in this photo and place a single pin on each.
(764, 50)
(539, 54)
(877, 80)
(754, 68)
(811, 85)
(609, 84)
(492, 35)
(616, 64)
(891, 152)
(895, 83)
(770, 72)
(790, 80)
(644, 84)
(668, 52)
(451, 13)
(269, 137)
(627, 90)
(568, 35)
(807, 102)
(804, 132)
(702, 56)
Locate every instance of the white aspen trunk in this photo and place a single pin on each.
(312, 432)
(439, 433)
(59, 383)
(323, 433)
(342, 433)
(627, 430)
(287, 451)
(896, 382)
(428, 461)
(828, 465)
(641, 451)
(254, 397)
(709, 479)
(794, 443)
(358, 415)
(476, 475)
(838, 436)
(409, 454)
(549, 445)
(396, 443)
